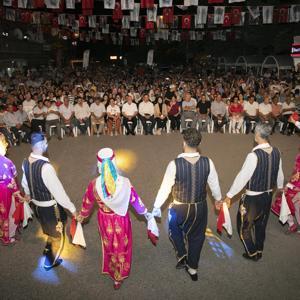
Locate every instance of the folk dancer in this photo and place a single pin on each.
(113, 194)
(260, 174)
(187, 177)
(42, 185)
(9, 196)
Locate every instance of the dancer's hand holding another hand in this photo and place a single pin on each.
(80, 218)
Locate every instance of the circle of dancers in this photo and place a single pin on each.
(186, 178)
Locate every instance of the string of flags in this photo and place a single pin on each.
(146, 21)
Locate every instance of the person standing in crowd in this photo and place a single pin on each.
(251, 114)
(174, 113)
(203, 109)
(38, 120)
(82, 115)
(4, 129)
(42, 186)
(129, 112)
(52, 119)
(187, 177)
(146, 115)
(189, 111)
(113, 194)
(66, 112)
(10, 195)
(260, 174)
(161, 115)
(288, 108)
(218, 112)
(98, 113)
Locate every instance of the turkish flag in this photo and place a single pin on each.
(149, 24)
(147, 3)
(236, 15)
(82, 21)
(38, 3)
(55, 22)
(186, 22)
(25, 17)
(117, 12)
(227, 20)
(168, 15)
(142, 34)
(87, 7)
(283, 13)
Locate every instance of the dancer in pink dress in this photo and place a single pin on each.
(9, 195)
(292, 194)
(113, 193)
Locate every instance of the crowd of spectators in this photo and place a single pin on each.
(115, 100)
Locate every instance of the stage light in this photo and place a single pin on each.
(64, 37)
(74, 43)
(120, 57)
(4, 33)
(113, 57)
(126, 160)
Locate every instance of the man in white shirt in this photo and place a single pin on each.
(189, 111)
(129, 112)
(146, 115)
(28, 105)
(265, 111)
(97, 116)
(66, 111)
(13, 122)
(82, 115)
(288, 108)
(187, 177)
(52, 118)
(39, 114)
(251, 113)
(261, 174)
(42, 186)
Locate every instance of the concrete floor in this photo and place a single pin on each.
(223, 273)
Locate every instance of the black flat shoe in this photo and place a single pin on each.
(194, 277)
(259, 255)
(253, 258)
(181, 264)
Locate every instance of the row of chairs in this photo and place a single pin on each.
(140, 130)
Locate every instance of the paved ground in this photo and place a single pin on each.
(223, 273)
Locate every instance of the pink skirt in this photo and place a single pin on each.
(116, 236)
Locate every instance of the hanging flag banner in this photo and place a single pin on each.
(127, 4)
(165, 3)
(109, 4)
(201, 16)
(267, 14)
(152, 13)
(92, 21)
(52, 4)
(70, 4)
(22, 3)
(135, 13)
(219, 12)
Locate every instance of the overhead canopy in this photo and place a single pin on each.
(249, 61)
(226, 62)
(280, 62)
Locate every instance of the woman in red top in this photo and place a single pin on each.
(236, 115)
(174, 113)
